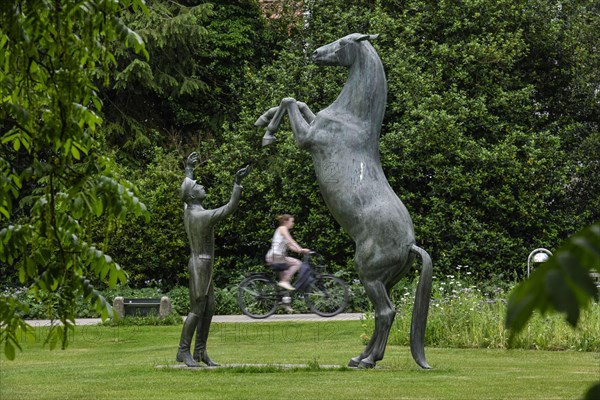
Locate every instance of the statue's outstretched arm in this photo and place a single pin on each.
(226, 210)
(190, 164)
(241, 174)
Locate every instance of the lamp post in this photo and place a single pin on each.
(537, 256)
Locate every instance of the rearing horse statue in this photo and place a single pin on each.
(343, 140)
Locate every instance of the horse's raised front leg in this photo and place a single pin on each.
(266, 118)
(300, 118)
(307, 114)
(271, 119)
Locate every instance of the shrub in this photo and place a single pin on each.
(150, 319)
(462, 315)
(40, 305)
(357, 298)
(226, 301)
(180, 300)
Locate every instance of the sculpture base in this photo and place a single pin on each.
(276, 366)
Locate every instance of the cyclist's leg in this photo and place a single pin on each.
(293, 267)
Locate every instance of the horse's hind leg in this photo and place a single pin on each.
(355, 361)
(384, 318)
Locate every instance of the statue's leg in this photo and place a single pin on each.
(200, 277)
(384, 318)
(271, 119)
(298, 120)
(191, 322)
(355, 361)
(200, 353)
(307, 114)
(364, 278)
(187, 333)
(278, 116)
(266, 118)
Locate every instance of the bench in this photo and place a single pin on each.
(142, 307)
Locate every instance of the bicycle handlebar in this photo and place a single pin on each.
(310, 255)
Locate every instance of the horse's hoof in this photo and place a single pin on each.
(262, 121)
(268, 139)
(366, 364)
(354, 362)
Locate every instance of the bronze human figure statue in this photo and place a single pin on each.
(343, 140)
(199, 226)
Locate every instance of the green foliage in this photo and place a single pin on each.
(154, 251)
(473, 141)
(465, 144)
(168, 31)
(38, 304)
(181, 97)
(562, 284)
(180, 300)
(53, 56)
(143, 96)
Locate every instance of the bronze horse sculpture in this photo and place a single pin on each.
(343, 140)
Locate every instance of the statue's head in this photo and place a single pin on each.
(192, 191)
(342, 52)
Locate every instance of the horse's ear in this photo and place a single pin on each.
(367, 37)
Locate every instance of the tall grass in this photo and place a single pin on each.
(462, 315)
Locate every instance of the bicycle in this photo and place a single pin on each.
(326, 295)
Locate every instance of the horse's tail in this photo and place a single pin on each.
(421, 309)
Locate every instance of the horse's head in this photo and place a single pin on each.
(341, 52)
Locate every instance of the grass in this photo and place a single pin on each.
(118, 362)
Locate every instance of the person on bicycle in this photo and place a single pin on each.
(277, 254)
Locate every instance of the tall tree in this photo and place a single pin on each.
(465, 139)
(199, 51)
(54, 176)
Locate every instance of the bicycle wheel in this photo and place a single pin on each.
(257, 297)
(328, 296)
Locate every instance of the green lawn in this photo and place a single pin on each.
(120, 363)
